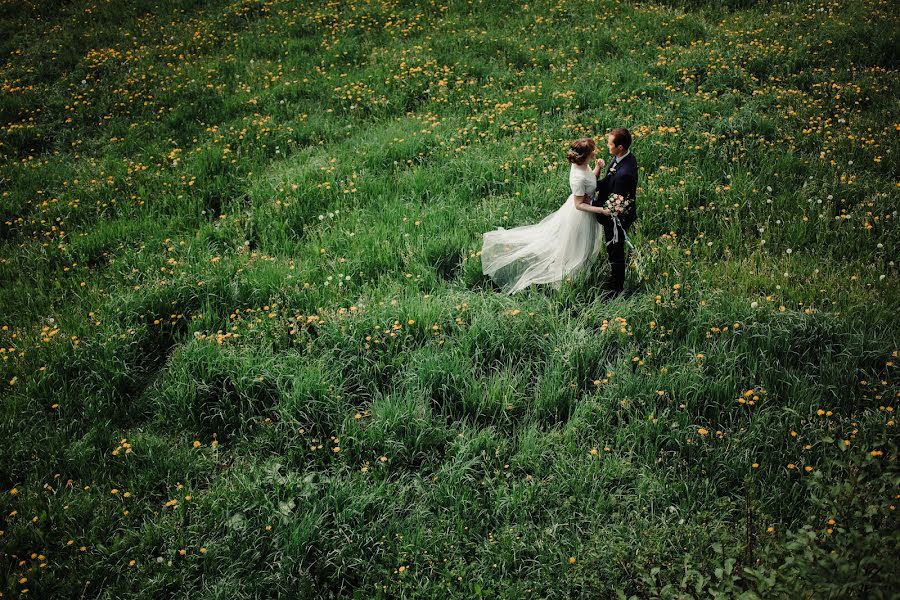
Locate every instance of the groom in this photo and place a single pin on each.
(621, 178)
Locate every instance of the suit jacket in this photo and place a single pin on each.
(620, 180)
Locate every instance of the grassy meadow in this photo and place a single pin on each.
(248, 350)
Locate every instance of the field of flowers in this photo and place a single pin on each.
(248, 351)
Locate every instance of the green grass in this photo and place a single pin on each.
(241, 285)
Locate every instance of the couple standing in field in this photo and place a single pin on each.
(566, 241)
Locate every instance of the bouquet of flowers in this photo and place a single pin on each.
(617, 204)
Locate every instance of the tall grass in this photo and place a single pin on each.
(248, 349)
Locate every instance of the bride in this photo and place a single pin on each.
(562, 244)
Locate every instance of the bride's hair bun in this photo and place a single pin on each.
(579, 150)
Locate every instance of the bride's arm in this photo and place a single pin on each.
(584, 203)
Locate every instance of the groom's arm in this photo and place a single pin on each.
(624, 184)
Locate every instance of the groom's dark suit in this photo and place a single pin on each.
(621, 178)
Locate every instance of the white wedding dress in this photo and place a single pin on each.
(562, 244)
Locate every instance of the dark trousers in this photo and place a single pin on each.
(616, 255)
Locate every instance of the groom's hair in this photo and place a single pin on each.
(621, 137)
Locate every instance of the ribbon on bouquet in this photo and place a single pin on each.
(615, 240)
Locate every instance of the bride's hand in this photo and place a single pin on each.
(600, 163)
